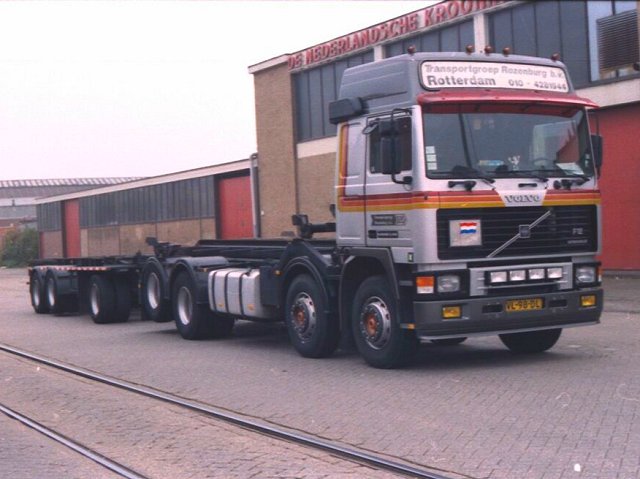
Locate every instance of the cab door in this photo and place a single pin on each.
(388, 197)
(350, 211)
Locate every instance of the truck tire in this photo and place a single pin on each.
(193, 320)
(58, 303)
(531, 342)
(313, 332)
(37, 293)
(154, 304)
(109, 300)
(377, 334)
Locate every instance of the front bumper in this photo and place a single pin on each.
(487, 314)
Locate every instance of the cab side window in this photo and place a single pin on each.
(389, 138)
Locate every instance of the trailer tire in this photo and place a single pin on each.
(37, 293)
(313, 332)
(109, 300)
(531, 342)
(195, 321)
(154, 304)
(376, 330)
(56, 302)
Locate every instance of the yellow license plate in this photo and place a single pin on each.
(532, 304)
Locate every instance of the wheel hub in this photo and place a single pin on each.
(153, 291)
(375, 323)
(94, 299)
(51, 292)
(185, 306)
(303, 315)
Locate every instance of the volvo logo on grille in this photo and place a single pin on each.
(524, 231)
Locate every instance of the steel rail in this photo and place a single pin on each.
(295, 437)
(95, 456)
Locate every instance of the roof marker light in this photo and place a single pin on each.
(469, 49)
(488, 49)
(555, 57)
(506, 51)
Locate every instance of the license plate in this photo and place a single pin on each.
(516, 305)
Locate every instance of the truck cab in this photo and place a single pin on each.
(477, 173)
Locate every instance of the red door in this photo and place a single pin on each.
(71, 232)
(235, 212)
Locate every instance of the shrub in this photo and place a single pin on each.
(20, 247)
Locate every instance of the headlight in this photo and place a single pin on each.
(448, 283)
(555, 272)
(497, 277)
(586, 274)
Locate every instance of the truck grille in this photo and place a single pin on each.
(567, 229)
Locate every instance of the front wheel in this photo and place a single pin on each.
(313, 332)
(376, 330)
(531, 342)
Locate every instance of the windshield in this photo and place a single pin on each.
(503, 145)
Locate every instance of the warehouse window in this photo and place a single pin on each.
(449, 39)
(177, 200)
(613, 38)
(544, 28)
(49, 216)
(314, 89)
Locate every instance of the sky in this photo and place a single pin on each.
(126, 88)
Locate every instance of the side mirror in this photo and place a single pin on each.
(596, 144)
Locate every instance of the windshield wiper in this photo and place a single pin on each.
(570, 180)
(471, 173)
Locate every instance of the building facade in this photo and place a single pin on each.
(206, 203)
(596, 39)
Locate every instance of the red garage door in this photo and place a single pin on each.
(71, 232)
(235, 213)
(620, 183)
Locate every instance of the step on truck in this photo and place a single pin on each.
(466, 204)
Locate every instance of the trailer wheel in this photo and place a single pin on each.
(37, 293)
(448, 341)
(152, 296)
(109, 300)
(56, 302)
(378, 336)
(531, 342)
(313, 332)
(193, 320)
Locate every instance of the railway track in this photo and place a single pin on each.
(372, 460)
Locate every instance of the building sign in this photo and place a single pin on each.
(383, 32)
(454, 74)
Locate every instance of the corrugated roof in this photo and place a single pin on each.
(66, 182)
(53, 187)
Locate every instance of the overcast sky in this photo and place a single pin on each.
(114, 88)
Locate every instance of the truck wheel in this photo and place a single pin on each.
(154, 305)
(37, 292)
(57, 303)
(531, 342)
(109, 300)
(313, 332)
(193, 320)
(377, 334)
(448, 341)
